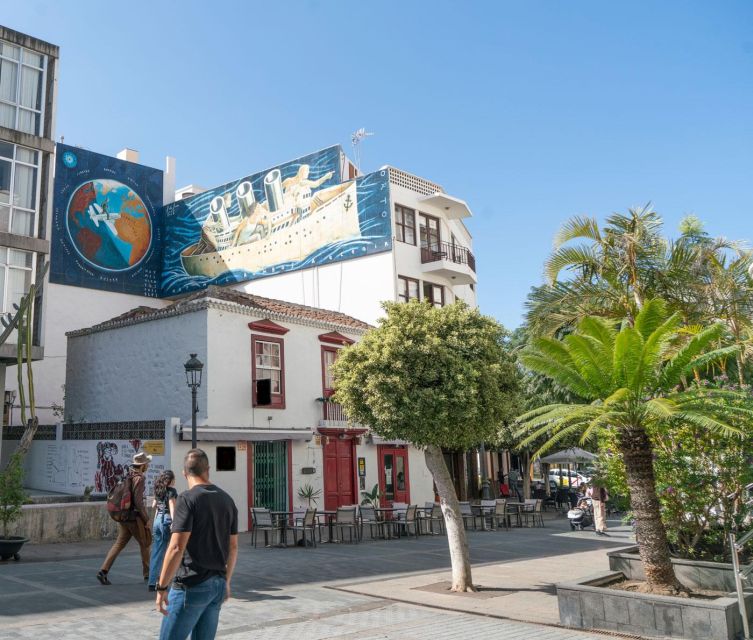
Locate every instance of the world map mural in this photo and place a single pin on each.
(107, 231)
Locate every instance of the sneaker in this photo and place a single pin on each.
(102, 577)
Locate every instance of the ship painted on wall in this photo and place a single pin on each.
(297, 215)
(291, 223)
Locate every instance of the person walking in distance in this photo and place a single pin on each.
(599, 497)
(200, 557)
(136, 522)
(164, 503)
(514, 478)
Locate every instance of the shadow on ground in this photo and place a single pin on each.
(55, 578)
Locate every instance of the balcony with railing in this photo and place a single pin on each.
(449, 260)
(333, 415)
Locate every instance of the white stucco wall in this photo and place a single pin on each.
(136, 372)
(354, 287)
(67, 309)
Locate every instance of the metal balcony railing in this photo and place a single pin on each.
(333, 412)
(447, 251)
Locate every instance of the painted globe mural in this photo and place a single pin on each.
(109, 224)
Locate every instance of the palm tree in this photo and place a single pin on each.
(632, 380)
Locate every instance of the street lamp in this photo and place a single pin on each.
(485, 492)
(193, 369)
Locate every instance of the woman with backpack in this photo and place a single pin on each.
(125, 504)
(164, 502)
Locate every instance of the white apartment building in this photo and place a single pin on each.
(28, 87)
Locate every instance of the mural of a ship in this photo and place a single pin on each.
(291, 223)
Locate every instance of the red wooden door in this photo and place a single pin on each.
(339, 473)
(394, 479)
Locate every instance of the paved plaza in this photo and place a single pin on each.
(376, 589)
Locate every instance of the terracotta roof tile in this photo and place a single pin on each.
(259, 303)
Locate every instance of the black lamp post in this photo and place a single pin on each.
(193, 368)
(485, 492)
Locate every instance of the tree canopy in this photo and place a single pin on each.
(431, 376)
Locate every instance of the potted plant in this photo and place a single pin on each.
(371, 498)
(12, 498)
(309, 494)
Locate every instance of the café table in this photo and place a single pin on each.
(387, 515)
(518, 508)
(483, 511)
(282, 518)
(329, 516)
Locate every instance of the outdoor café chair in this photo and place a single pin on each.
(307, 524)
(500, 514)
(407, 522)
(532, 513)
(432, 514)
(487, 511)
(369, 518)
(398, 510)
(261, 520)
(345, 518)
(466, 513)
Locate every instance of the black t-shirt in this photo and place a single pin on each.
(212, 517)
(163, 503)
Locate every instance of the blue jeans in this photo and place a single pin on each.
(160, 539)
(195, 610)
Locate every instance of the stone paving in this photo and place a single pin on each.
(299, 593)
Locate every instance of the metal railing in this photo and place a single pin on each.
(333, 411)
(447, 251)
(742, 573)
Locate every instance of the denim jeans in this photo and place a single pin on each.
(160, 538)
(194, 611)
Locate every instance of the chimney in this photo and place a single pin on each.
(130, 155)
(168, 184)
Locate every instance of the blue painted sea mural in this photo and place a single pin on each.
(107, 231)
(294, 216)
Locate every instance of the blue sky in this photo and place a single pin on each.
(530, 111)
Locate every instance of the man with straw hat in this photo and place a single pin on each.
(136, 523)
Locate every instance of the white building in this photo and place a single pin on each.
(127, 373)
(28, 87)
(431, 259)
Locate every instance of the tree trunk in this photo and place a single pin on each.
(525, 473)
(456, 540)
(28, 437)
(653, 545)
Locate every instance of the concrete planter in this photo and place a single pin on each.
(68, 522)
(694, 574)
(588, 604)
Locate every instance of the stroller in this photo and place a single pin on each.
(581, 517)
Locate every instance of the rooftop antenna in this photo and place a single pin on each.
(356, 138)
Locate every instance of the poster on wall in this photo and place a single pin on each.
(293, 216)
(70, 466)
(106, 223)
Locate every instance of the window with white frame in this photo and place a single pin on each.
(21, 88)
(19, 189)
(269, 364)
(16, 269)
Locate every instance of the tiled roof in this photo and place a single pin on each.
(264, 307)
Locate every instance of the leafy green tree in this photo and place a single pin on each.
(610, 270)
(435, 377)
(700, 480)
(12, 495)
(631, 380)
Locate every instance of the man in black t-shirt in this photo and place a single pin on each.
(200, 557)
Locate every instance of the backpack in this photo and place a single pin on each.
(120, 501)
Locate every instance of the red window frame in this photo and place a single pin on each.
(326, 391)
(400, 227)
(278, 399)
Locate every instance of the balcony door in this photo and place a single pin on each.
(429, 232)
(394, 480)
